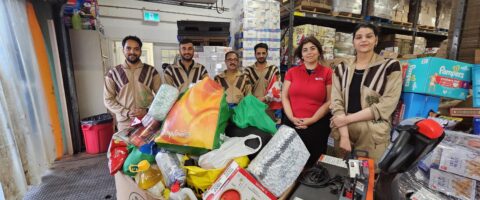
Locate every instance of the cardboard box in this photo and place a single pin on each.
(451, 184)
(349, 6)
(237, 182)
(127, 189)
(461, 161)
(419, 105)
(438, 77)
(477, 56)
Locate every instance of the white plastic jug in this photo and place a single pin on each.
(178, 193)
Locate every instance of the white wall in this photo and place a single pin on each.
(125, 17)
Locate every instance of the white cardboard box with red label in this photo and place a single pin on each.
(237, 183)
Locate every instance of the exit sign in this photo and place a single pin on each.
(151, 16)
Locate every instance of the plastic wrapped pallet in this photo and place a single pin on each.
(380, 8)
(428, 13)
(325, 35)
(401, 9)
(281, 161)
(253, 22)
(444, 14)
(349, 6)
(420, 45)
(343, 45)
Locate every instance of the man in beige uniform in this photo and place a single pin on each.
(130, 87)
(261, 74)
(184, 73)
(235, 82)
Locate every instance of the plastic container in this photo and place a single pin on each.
(177, 193)
(147, 175)
(170, 167)
(97, 132)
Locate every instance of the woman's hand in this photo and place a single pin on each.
(339, 121)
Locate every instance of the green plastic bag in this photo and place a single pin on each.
(135, 156)
(251, 112)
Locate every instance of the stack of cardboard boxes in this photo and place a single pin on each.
(402, 44)
(253, 22)
(348, 6)
(343, 45)
(470, 38)
(325, 35)
(428, 13)
(444, 13)
(213, 58)
(380, 8)
(400, 10)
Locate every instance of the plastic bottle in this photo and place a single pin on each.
(147, 175)
(170, 167)
(177, 193)
(76, 20)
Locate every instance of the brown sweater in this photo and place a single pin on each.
(180, 77)
(236, 90)
(127, 88)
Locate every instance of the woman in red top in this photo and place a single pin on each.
(306, 98)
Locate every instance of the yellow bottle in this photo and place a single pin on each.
(147, 175)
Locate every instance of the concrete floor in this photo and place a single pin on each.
(82, 176)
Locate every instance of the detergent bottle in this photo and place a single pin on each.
(177, 193)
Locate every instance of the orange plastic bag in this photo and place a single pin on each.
(194, 123)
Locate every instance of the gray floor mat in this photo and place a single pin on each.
(80, 177)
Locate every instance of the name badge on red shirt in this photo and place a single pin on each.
(318, 78)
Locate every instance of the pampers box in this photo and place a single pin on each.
(438, 77)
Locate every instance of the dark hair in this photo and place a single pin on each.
(131, 37)
(234, 52)
(314, 41)
(260, 45)
(366, 25)
(185, 41)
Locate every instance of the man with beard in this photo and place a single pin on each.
(235, 82)
(184, 73)
(131, 86)
(261, 74)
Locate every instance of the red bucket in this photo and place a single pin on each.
(97, 132)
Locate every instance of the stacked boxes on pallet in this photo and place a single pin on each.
(402, 44)
(470, 38)
(349, 6)
(343, 45)
(325, 35)
(400, 10)
(428, 13)
(444, 14)
(380, 8)
(253, 22)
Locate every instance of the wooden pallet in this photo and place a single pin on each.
(406, 24)
(425, 27)
(347, 15)
(313, 9)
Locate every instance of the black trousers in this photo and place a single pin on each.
(315, 137)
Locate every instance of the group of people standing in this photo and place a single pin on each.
(353, 102)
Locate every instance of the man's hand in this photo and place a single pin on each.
(137, 112)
